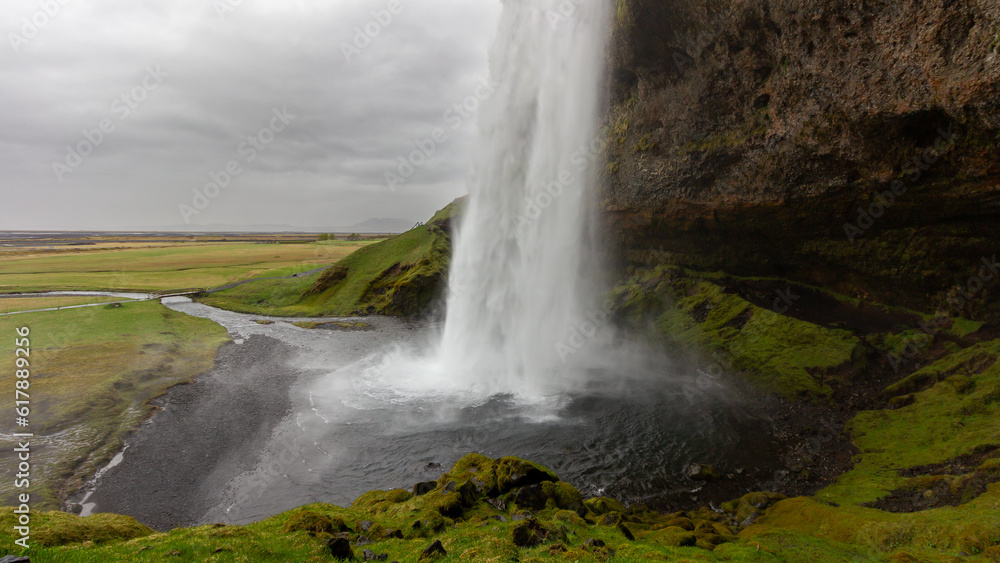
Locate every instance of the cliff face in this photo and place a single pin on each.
(847, 144)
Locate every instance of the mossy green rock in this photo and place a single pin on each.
(604, 505)
(563, 495)
(672, 536)
(510, 473)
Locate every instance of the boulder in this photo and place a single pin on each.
(433, 551)
(340, 548)
(424, 488)
(531, 497)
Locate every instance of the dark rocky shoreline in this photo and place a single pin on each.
(202, 434)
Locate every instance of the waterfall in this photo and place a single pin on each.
(517, 289)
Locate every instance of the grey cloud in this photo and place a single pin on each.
(225, 76)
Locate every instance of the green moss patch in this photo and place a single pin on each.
(787, 356)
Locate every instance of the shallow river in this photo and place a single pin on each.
(292, 416)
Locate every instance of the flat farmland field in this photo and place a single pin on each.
(181, 266)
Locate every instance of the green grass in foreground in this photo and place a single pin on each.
(184, 266)
(456, 513)
(92, 370)
(955, 411)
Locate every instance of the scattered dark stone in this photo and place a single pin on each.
(424, 488)
(950, 483)
(364, 525)
(532, 497)
(497, 503)
(75, 509)
(749, 520)
(15, 559)
(173, 553)
(500, 517)
(433, 551)
(626, 532)
(432, 466)
(594, 542)
(529, 533)
(519, 517)
(340, 548)
(450, 486)
(394, 534)
(371, 556)
(363, 540)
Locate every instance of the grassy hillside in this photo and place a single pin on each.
(398, 276)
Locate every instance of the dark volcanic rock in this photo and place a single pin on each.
(849, 145)
(424, 488)
(529, 533)
(531, 497)
(433, 551)
(340, 548)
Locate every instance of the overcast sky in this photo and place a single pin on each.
(179, 86)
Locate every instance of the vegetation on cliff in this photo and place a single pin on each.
(402, 275)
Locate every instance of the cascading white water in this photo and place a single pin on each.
(516, 286)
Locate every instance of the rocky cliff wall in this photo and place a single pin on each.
(851, 145)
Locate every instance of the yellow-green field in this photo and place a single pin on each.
(11, 304)
(184, 266)
(92, 372)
